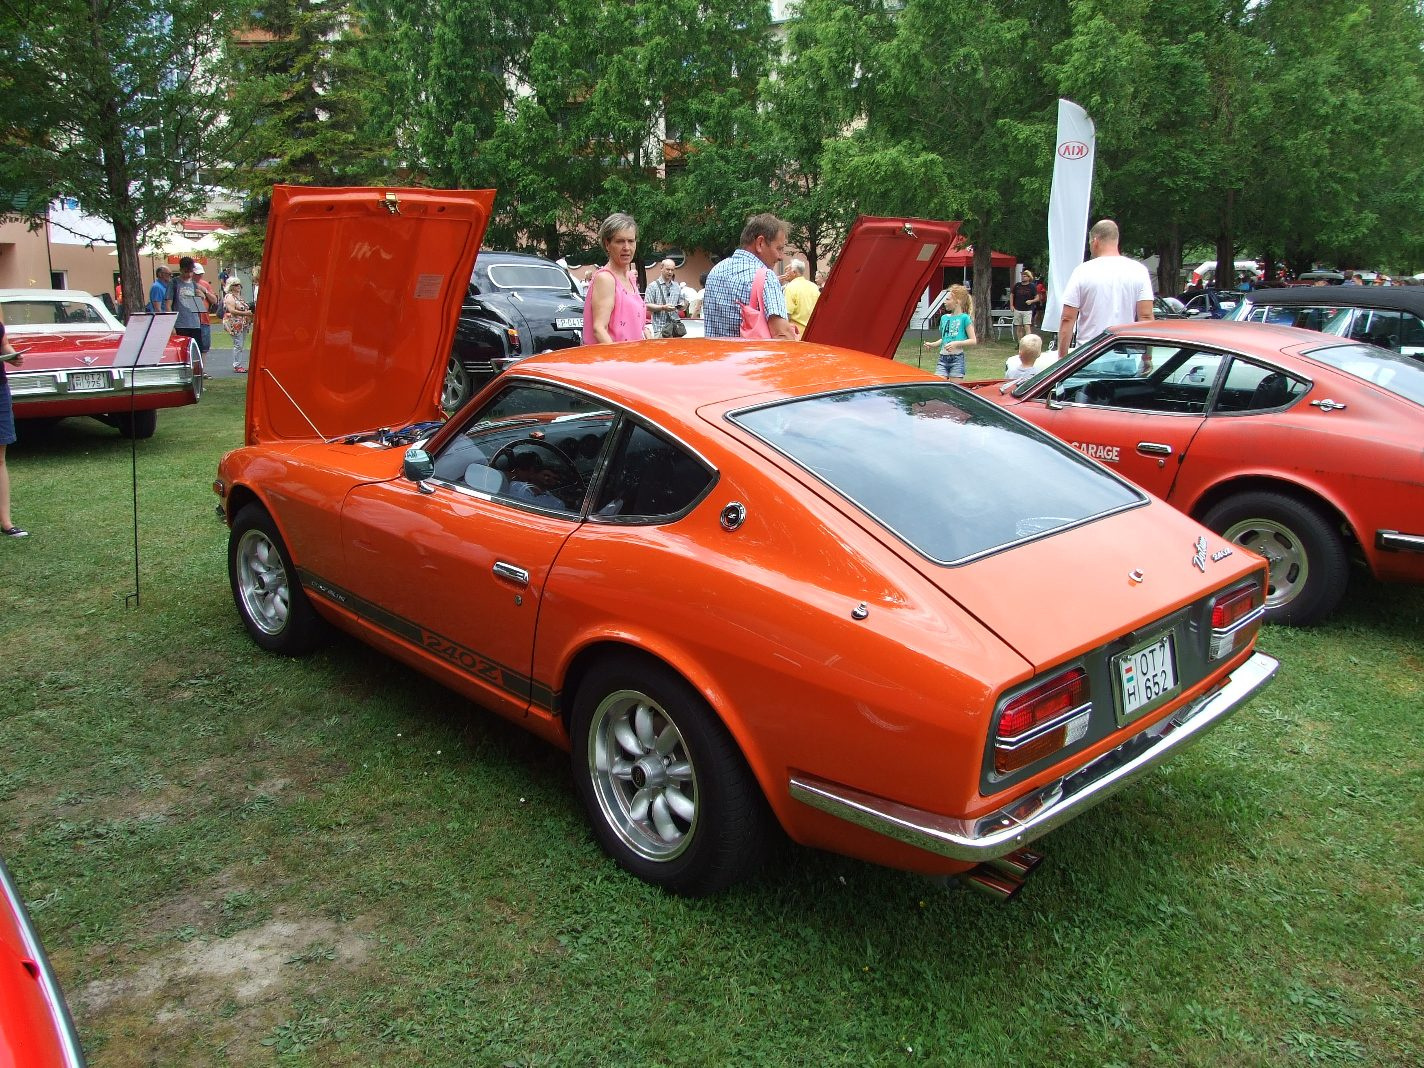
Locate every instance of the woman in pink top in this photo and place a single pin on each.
(613, 309)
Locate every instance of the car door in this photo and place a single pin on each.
(1132, 405)
(456, 567)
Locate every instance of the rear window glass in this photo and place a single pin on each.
(528, 276)
(950, 474)
(1400, 375)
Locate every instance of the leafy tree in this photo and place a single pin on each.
(965, 83)
(110, 101)
(301, 96)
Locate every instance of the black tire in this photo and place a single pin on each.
(704, 824)
(1310, 567)
(140, 425)
(459, 385)
(266, 589)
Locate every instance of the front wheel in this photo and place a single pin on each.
(1309, 567)
(266, 589)
(459, 384)
(665, 787)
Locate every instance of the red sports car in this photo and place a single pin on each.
(71, 347)
(1303, 448)
(35, 1028)
(747, 585)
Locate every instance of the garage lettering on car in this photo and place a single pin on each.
(1108, 454)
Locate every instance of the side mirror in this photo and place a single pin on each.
(417, 467)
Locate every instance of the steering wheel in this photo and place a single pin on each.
(571, 487)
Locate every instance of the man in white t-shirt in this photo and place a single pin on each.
(1108, 290)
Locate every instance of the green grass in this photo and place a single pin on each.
(236, 858)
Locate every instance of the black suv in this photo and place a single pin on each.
(517, 305)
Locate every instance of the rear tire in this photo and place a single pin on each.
(266, 589)
(140, 425)
(1309, 567)
(665, 787)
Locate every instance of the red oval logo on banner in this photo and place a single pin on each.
(1073, 150)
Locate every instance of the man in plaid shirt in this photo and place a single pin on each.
(729, 284)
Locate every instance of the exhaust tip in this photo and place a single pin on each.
(995, 884)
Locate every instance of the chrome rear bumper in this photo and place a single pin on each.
(1038, 813)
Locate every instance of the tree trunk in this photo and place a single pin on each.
(983, 278)
(1225, 252)
(1169, 262)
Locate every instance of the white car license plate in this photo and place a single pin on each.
(1145, 675)
(88, 380)
(569, 324)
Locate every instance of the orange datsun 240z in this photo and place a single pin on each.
(1301, 447)
(745, 584)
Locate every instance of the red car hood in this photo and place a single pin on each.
(877, 279)
(359, 294)
(80, 348)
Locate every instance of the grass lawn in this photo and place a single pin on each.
(236, 858)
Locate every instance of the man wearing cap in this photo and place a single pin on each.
(205, 317)
(158, 299)
(188, 301)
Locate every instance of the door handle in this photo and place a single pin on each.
(1152, 448)
(508, 571)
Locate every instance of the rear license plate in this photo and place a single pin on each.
(87, 380)
(1146, 675)
(568, 324)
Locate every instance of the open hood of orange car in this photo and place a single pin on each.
(358, 298)
(877, 279)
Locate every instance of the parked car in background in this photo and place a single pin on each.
(516, 305)
(747, 584)
(1210, 304)
(1309, 278)
(71, 346)
(1169, 308)
(1302, 448)
(1389, 316)
(35, 1027)
(1205, 272)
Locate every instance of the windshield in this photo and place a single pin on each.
(950, 474)
(1400, 375)
(529, 276)
(30, 313)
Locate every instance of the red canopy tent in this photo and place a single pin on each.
(963, 256)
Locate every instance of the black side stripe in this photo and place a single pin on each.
(470, 661)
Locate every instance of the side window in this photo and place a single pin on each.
(1411, 335)
(649, 478)
(1152, 378)
(530, 445)
(1376, 327)
(1254, 387)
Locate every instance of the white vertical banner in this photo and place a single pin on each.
(1073, 156)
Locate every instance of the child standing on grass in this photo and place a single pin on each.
(956, 332)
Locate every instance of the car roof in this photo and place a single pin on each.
(1260, 339)
(1392, 298)
(489, 257)
(669, 380)
(49, 294)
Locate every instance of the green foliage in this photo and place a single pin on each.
(300, 99)
(111, 103)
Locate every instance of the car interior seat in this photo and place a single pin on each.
(1271, 392)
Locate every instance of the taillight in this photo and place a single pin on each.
(1236, 617)
(512, 337)
(1041, 721)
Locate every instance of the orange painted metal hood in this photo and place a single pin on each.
(877, 279)
(358, 298)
